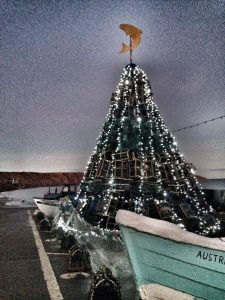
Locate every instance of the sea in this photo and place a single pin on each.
(24, 198)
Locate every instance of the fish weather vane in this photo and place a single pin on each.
(135, 38)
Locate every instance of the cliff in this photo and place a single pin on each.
(21, 180)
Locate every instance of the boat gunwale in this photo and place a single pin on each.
(149, 225)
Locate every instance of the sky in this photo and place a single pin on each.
(60, 63)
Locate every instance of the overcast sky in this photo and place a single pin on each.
(60, 62)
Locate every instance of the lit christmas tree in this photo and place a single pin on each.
(137, 166)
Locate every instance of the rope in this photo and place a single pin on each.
(198, 124)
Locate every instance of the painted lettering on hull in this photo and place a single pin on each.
(204, 255)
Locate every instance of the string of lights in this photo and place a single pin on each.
(198, 124)
(136, 165)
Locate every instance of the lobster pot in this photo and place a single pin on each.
(105, 248)
(104, 285)
(79, 259)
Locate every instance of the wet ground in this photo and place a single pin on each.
(21, 274)
(32, 263)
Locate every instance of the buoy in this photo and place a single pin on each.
(60, 233)
(40, 216)
(45, 225)
(68, 241)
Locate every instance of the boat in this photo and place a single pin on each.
(161, 253)
(52, 195)
(51, 202)
(50, 208)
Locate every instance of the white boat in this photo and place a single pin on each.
(49, 207)
(50, 204)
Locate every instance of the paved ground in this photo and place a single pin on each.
(75, 288)
(21, 275)
(22, 262)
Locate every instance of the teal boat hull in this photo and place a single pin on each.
(192, 269)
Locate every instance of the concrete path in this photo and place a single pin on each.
(21, 276)
(24, 270)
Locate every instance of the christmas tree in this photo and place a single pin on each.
(137, 166)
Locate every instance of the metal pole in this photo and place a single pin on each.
(130, 50)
